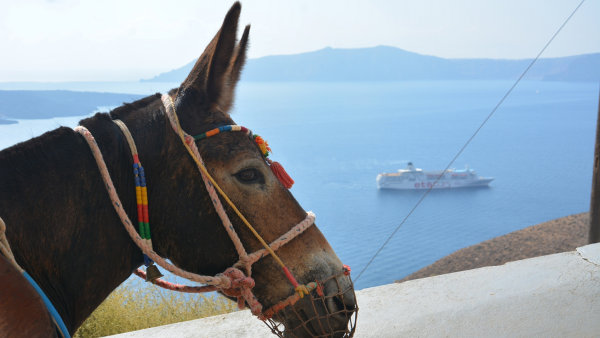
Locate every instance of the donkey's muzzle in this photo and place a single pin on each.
(330, 310)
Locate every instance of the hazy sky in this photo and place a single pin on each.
(68, 40)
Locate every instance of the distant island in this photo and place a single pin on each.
(384, 63)
(380, 63)
(7, 121)
(43, 104)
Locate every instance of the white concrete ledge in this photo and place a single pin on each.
(549, 296)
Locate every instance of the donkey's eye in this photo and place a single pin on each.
(250, 175)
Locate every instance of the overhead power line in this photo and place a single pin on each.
(469, 140)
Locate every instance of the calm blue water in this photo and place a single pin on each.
(334, 138)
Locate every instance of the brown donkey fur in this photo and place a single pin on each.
(23, 313)
(65, 233)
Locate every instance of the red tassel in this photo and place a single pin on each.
(281, 174)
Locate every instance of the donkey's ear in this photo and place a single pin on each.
(235, 69)
(210, 73)
(240, 57)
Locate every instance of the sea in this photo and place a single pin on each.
(333, 138)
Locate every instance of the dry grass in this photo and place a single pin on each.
(138, 305)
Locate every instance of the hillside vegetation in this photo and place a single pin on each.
(137, 306)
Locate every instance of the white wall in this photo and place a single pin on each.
(549, 296)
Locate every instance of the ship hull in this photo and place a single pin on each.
(393, 182)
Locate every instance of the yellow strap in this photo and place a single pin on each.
(221, 192)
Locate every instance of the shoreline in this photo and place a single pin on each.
(554, 236)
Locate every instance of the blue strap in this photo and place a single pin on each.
(55, 316)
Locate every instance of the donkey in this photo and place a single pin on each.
(64, 231)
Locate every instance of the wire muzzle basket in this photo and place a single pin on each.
(319, 314)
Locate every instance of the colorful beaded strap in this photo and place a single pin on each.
(220, 130)
(262, 145)
(141, 195)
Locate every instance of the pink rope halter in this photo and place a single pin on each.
(232, 282)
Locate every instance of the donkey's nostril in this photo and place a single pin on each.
(341, 304)
(339, 296)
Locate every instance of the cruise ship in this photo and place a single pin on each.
(415, 178)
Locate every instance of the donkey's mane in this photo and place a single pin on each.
(127, 108)
(34, 148)
(20, 154)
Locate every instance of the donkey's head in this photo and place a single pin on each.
(199, 242)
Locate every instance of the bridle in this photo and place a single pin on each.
(232, 282)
